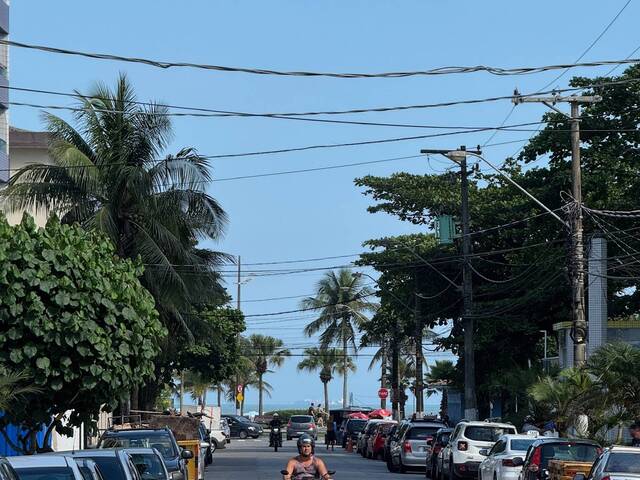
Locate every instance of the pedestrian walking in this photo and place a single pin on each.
(330, 437)
(312, 410)
(634, 430)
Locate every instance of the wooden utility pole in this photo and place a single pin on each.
(576, 257)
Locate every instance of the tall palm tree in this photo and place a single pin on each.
(108, 175)
(14, 386)
(328, 361)
(264, 352)
(440, 376)
(341, 299)
(197, 386)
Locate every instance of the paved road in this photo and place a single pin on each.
(254, 460)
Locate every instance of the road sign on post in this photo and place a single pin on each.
(239, 397)
(239, 388)
(383, 393)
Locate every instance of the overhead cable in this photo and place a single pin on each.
(447, 70)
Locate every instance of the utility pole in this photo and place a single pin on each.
(419, 386)
(383, 373)
(576, 263)
(470, 401)
(238, 390)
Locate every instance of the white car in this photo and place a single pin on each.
(498, 464)
(461, 457)
(45, 466)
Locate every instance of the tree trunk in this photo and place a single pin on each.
(135, 397)
(326, 395)
(395, 380)
(181, 392)
(444, 403)
(204, 400)
(244, 388)
(345, 389)
(260, 410)
(219, 396)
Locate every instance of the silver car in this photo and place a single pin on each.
(615, 463)
(51, 467)
(410, 451)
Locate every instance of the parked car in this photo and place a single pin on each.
(410, 449)
(363, 437)
(617, 463)
(162, 439)
(387, 442)
(535, 465)
(6, 470)
(149, 463)
(113, 463)
(461, 457)
(351, 429)
(499, 464)
(242, 427)
(375, 446)
(50, 467)
(299, 424)
(439, 441)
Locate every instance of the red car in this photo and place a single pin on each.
(376, 440)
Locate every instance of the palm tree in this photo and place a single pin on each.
(14, 386)
(440, 376)
(264, 352)
(108, 176)
(197, 386)
(328, 361)
(341, 299)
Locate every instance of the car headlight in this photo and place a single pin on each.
(252, 428)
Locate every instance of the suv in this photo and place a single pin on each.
(162, 439)
(113, 463)
(299, 424)
(461, 457)
(242, 427)
(409, 450)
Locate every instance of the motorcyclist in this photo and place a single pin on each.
(306, 466)
(275, 423)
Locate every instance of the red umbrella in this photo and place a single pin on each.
(380, 413)
(358, 415)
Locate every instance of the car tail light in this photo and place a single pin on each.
(407, 447)
(536, 459)
(463, 446)
(508, 462)
(606, 477)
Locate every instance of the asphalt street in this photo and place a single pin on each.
(255, 460)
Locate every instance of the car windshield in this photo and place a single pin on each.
(521, 445)
(162, 443)
(626, 462)
(356, 426)
(45, 473)
(421, 433)
(486, 434)
(149, 466)
(301, 419)
(576, 452)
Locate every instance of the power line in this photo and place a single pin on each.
(448, 70)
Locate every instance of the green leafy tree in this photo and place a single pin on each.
(109, 176)
(327, 361)
(342, 299)
(76, 320)
(264, 352)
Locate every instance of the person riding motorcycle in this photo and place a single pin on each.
(306, 466)
(275, 423)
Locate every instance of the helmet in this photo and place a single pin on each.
(306, 439)
(275, 415)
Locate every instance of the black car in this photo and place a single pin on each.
(352, 429)
(433, 449)
(162, 439)
(242, 427)
(535, 465)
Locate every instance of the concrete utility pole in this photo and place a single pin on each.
(237, 390)
(579, 330)
(470, 401)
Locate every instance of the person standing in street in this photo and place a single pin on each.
(634, 430)
(312, 410)
(330, 437)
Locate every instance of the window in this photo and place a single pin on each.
(626, 462)
(46, 473)
(486, 434)
(301, 419)
(110, 468)
(161, 442)
(421, 433)
(444, 438)
(355, 426)
(521, 445)
(499, 447)
(576, 452)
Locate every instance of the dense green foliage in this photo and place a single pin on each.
(75, 318)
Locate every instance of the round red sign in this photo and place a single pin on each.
(383, 393)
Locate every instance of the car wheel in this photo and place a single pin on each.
(452, 473)
(243, 434)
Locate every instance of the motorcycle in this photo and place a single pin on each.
(286, 473)
(275, 438)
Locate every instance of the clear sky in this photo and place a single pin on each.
(315, 214)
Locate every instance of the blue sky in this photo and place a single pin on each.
(314, 214)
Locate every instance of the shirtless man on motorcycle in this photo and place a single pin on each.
(305, 466)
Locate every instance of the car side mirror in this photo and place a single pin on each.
(579, 476)
(186, 454)
(484, 452)
(518, 462)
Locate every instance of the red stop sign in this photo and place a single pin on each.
(383, 393)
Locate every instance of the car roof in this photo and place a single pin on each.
(486, 424)
(583, 441)
(142, 451)
(519, 436)
(623, 448)
(93, 452)
(36, 461)
(134, 431)
(425, 424)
